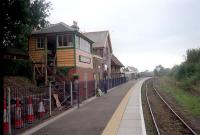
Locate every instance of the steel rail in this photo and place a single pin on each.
(184, 123)
(154, 121)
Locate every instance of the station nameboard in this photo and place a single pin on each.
(84, 59)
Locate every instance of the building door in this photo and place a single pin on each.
(51, 45)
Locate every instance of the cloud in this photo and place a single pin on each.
(144, 33)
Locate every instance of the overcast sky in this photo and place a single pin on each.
(144, 33)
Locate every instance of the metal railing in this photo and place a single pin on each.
(28, 106)
(107, 84)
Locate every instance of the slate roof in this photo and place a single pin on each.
(99, 38)
(115, 61)
(58, 28)
(130, 69)
(54, 28)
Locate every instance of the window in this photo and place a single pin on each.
(40, 42)
(95, 51)
(85, 45)
(84, 59)
(65, 41)
(77, 42)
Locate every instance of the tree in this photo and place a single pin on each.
(19, 18)
(193, 56)
(160, 70)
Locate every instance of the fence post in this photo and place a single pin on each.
(50, 98)
(76, 88)
(9, 112)
(86, 87)
(64, 90)
(34, 74)
(71, 93)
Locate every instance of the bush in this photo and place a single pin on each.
(188, 73)
(63, 71)
(18, 68)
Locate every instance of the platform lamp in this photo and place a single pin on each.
(99, 70)
(105, 74)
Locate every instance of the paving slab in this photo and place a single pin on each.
(132, 122)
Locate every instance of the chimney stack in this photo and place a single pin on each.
(75, 26)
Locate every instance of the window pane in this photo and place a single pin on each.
(59, 40)
(64, 43)
(65, 38)
(70, 40)
(59, 43)
(77, 42)
(42, 45)
(40, 42)
(84, 45)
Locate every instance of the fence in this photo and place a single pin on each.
(28, 106)
(107, 84)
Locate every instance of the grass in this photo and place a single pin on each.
(189, 102)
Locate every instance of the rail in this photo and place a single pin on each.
(169, 107)
(154, 121)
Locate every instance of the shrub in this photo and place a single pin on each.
(188, 73)
(18, 68)
(63, 70)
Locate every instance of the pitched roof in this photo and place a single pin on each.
(130, 69)
(59, 27)
(99, 38)
(115, 61)
(54, 28)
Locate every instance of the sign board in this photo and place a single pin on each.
(84, 59)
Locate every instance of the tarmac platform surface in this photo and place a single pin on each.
(119, 112)
(91, 118)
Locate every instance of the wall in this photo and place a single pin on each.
(65, 57)
(99, 72)
(107, 57)
(37, 55)
(82, 64)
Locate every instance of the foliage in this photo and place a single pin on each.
(161, 71)
(19, 18)
(188, 72)
(63, 70)
(189, 102)
(75, 76)
(18, 68)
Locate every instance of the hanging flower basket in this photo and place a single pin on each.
(75, 76)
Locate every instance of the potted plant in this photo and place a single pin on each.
(75, 76)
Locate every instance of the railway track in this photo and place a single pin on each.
(165, 119)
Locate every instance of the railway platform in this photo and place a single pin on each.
(119, 112)
(128, 118)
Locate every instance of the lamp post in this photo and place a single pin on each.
(105, 73)
(99, 70)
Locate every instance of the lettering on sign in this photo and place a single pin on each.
(84, 59)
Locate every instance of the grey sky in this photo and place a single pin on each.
(144, 33)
